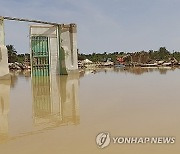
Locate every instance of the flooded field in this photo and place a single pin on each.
(45, 115)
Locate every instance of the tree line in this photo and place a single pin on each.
(140, 56)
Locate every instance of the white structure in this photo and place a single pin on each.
(87, 61)
(4, 70)
(54, 47)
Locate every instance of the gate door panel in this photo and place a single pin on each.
(40, 56)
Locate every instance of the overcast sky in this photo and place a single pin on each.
(103, 25)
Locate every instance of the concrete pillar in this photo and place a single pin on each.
(4, 70)
(2, 42)
(73, 42)
(62, 64)
(69, 45)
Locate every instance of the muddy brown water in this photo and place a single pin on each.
(53, 115)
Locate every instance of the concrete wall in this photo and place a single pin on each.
(4, 70)
(69, 44)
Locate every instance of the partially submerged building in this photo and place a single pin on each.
(53, 49)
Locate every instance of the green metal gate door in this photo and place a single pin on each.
(40, 56)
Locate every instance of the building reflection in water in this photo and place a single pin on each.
(55, 103)
(55, 100)
(4, 108)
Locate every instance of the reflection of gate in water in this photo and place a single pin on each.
(55, 100)
(41, 90)
(40, 55)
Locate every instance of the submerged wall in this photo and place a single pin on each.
(4, 70)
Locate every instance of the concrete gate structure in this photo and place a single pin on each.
(53, 48)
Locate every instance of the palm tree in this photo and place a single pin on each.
(12, 54)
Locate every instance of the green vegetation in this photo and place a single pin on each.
(140, 57)
(101, 57)
(12, 54)
(14, 57)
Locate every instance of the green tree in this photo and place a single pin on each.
(12, 54)
(164, 54)
(20, 58)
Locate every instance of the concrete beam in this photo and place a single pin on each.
(30, 20)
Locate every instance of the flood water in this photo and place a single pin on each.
(53, 115)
